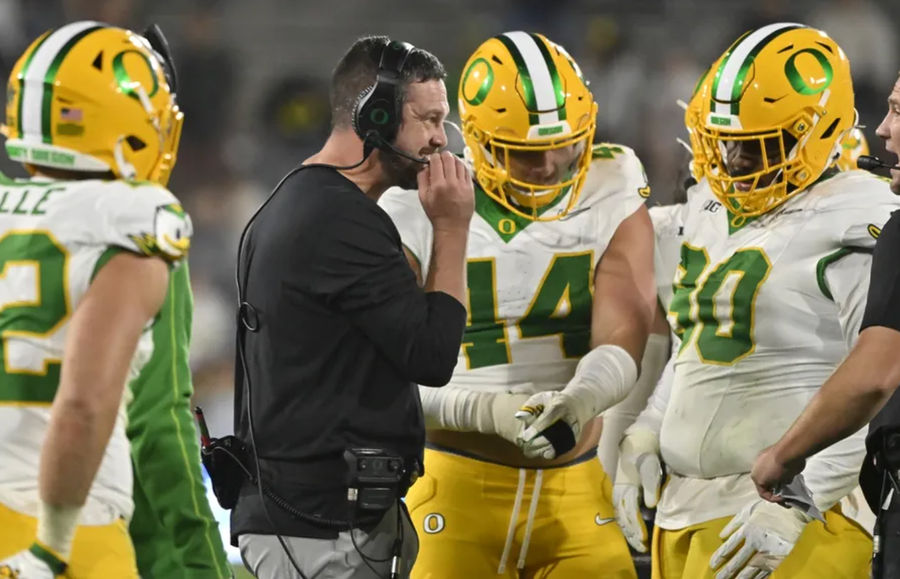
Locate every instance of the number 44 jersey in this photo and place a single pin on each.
(765, 312)
(55, 236)
(530, 283)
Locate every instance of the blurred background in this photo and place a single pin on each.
(254, 89)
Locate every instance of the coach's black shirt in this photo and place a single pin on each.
(883, 309)
(345, 334)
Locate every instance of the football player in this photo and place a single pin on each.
(853, 145)
(560, 298)
(87, 245)
(768, 298)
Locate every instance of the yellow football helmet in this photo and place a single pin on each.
(783, 91)
(853, 145)
(522, 94)
(92, 97)
(693, 111)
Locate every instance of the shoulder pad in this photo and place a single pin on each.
(616, 168)
(144, 218)
(854, 205)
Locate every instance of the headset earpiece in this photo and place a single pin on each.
(377, 109)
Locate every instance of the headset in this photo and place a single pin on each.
(377, 113)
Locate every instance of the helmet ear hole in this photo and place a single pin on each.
(830, 130)
(135, 143)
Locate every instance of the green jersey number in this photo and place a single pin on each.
(721, 335)
(33, 305)
(561, 306)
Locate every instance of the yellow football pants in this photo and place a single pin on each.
(477, 519)
(99, 552)
(837, 549)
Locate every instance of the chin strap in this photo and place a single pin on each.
(126, 169)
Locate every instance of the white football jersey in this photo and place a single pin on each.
(529, 282)
(668, 228)
(765, 313)
(54, 237)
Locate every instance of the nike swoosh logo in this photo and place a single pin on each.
(600, 522)
(574, 212)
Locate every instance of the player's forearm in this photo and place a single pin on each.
(628, 328)
(447, 272)
(77, 437)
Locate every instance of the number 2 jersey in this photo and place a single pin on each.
(55, 236)
(765, 312)
(530, 283)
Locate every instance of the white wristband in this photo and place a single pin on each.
(56, 528)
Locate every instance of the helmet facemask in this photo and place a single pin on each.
(504, 169)
(751, 173)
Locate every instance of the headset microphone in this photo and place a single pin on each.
(375, 141)
(870, 163)
(455, 143)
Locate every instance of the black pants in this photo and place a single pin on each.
(889, 523)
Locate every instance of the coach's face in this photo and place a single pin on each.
(421, 131)
(889, 130)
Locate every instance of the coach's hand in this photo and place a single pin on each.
(446, 191)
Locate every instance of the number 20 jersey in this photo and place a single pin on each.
(54, 238)
(760, 329)
(530, 283)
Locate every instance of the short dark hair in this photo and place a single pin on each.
(357, 69)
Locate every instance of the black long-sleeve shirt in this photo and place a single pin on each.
(882, 309)
(344, 336)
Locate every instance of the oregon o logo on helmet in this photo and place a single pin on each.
(124, 80)
(479, 69)
(379, 116)
(796, 78)
(433, 523)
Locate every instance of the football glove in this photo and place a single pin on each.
(639, 473)
(553, 420)
(757, 540)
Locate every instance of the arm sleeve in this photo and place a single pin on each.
(883, 304)
(848, 282)
(173, 529)
(361, 271)
(832, 474)
(622, 415)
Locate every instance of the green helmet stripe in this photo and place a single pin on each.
(745, 68)
(554, 77)
(50, 79)
(718, 77)
(527, 86)
(22, 74)
(732, 74)
(536, 69)
(37, 83)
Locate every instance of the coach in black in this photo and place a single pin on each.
(865, 383)
(336, 332)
